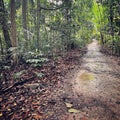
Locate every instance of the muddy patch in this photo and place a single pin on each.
(85, 76)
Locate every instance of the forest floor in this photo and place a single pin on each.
(79, 86)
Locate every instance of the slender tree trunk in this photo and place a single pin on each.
(24, 20)
(3, 23)
(68, 5)
(6, 35)
(111, 24)
(1, 46)
(111, 17)
(100, 22)
(102, 38)
(13, 30)
(38, 24)
(13, 24)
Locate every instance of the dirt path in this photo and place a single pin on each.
(90, 91)
(93, 92)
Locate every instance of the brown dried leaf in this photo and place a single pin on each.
(0, 99)
(37, 116)
(1, 114)
(36, 103)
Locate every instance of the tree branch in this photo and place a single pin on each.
(16, 84)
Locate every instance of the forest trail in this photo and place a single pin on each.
(89, 91)
(93, 92)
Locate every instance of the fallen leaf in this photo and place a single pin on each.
(68, 105)
(0, 99)
(37, 116)
(36, 103)
(72, 110)
(1, 114)
(84, 118)
(9, 109)
(15, 104)
(32, 86)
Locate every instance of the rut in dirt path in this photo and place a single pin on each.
(96, 86)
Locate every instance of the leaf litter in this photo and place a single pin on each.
(32, 99)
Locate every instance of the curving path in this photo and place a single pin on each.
(95, 87)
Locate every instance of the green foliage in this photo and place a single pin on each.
(35, 59)
(80, 43)
(39, 75)
(30, 54)
(107, 24)
(51, 31)
(100, 18)
(56, 28)
(37, 62)
(18, 74)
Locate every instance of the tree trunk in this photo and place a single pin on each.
(1, 46)
(24, 20)
(38, 24)
(13, 24)
(6, 34)
(3, 23)
(13, 30)
(111, 18)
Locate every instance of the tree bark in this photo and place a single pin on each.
(13, 31)
(38, 24)
(3, 23)
(1, 46)
(111, 17)
(13, 24)
(24, 20)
